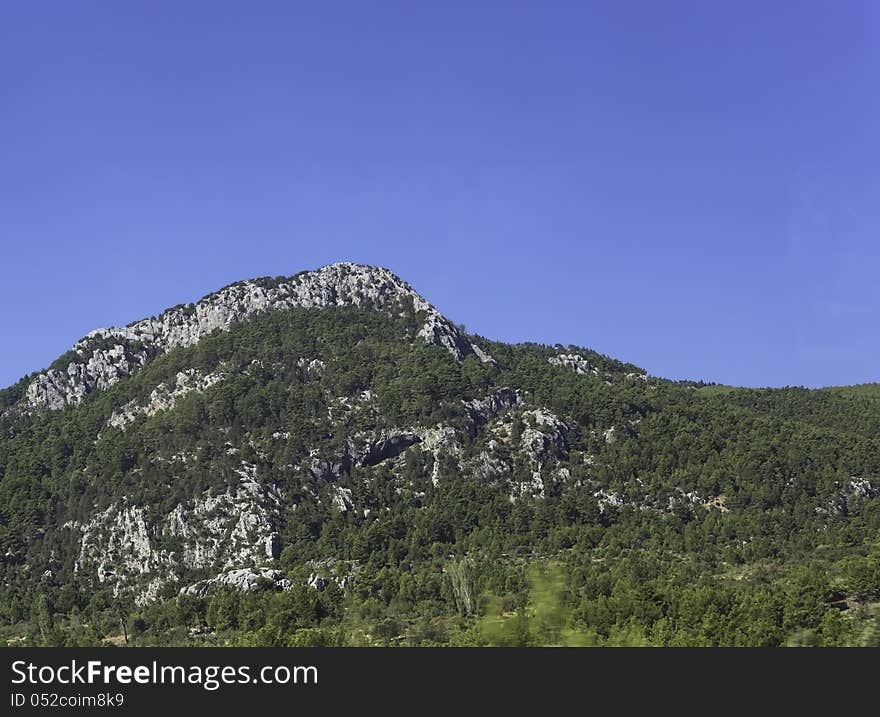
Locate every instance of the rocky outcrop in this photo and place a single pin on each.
(387, 446)
(361, 450)
(121, 545)
(608, 499)
(321, 583)
(370, 449)
(105, 356)
(612, 434)
(490, 463)
(98, 369)
(341, 498)
(228, 529)
(544, 437)
(236, 529)
(245, 580)
(439, 442)
(574, 362)
(343, 408)
(326, 469)
(314, 366)
(854, 489)
(482, 410)
(165, 396)
(680, 496)
(525, 448)
(117, 546)
(542, 444)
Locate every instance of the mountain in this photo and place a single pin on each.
(326, 459)
(107, 355)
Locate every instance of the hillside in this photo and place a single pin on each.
(326, 459)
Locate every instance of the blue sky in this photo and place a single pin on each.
(690, 186)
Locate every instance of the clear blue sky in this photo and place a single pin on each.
(690, 186)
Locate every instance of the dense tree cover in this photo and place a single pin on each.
(785, 552)
(852, 409)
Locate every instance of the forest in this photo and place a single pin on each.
(668, 514)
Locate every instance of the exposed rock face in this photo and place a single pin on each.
(546, 439)
(249, 580)
(682, 497)
(57, 388)
(164, 397)
(342, 498)
(484, 409)
(343, 408)
(524, 458)
(312, 366)
(612, 434)
(575, 362)
(608, 499)
(490, 463)
(314, 452)
(321, 583)
(226, 530)
(324, 469)
(862, 488)
(439, 442)
(362, 450)
(116, 545)
(272, 546)
(542, 443)
(854, 489)
(107, 355)
(130, 547)
(387, 446)
(444, 441)
(372, 449)
(245, 580)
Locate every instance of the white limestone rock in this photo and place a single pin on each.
(244, 580)
(228, 529)
(165, 396)
(343, 408)
(546, 439)
(222, 531)
(575, 362)
(321, 582)
(313, 366)
(495, 404)
(341, 498)
(57, 388)
(116, 547)
(608, 499)
(130, 347)
(854, 489)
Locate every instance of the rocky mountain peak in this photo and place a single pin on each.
(105, 356)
